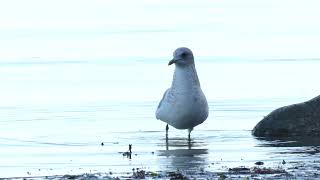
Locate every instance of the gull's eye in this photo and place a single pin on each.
(183, 55)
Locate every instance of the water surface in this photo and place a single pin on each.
(55, 113)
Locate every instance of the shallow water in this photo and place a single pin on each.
(54, 115)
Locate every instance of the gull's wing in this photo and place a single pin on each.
(161, 110)
(164, 96)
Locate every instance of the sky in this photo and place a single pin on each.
(269, 29)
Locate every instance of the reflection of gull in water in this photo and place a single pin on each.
(176, 142)
(179, 154)
(183, 105)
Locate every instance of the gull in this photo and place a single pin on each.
(183, 105)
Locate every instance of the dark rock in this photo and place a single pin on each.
(301, 119)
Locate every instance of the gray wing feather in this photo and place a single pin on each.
(164, 95)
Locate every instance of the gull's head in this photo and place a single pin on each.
(182, 57)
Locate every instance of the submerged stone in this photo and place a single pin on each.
(301, 119)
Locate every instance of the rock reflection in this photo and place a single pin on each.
(293, 145)
(289, 141)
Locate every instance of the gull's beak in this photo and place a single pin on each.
(171, 62)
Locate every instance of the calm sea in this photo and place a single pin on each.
(55, 113)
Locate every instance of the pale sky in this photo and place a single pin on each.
(98, 28)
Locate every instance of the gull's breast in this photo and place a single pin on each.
(189, 109)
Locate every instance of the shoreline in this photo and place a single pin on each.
(291, 170)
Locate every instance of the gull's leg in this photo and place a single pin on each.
(167, 129)
(189, 132)
(167, 140)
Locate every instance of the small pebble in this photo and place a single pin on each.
(259, 163)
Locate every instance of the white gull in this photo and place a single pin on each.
(183, 105)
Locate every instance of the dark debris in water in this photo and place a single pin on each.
(139, 174)
(239, 170)
(176, 175)
(264, 170)
(256, 170)
(85, 177)
(236, 172)
(142, 174)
